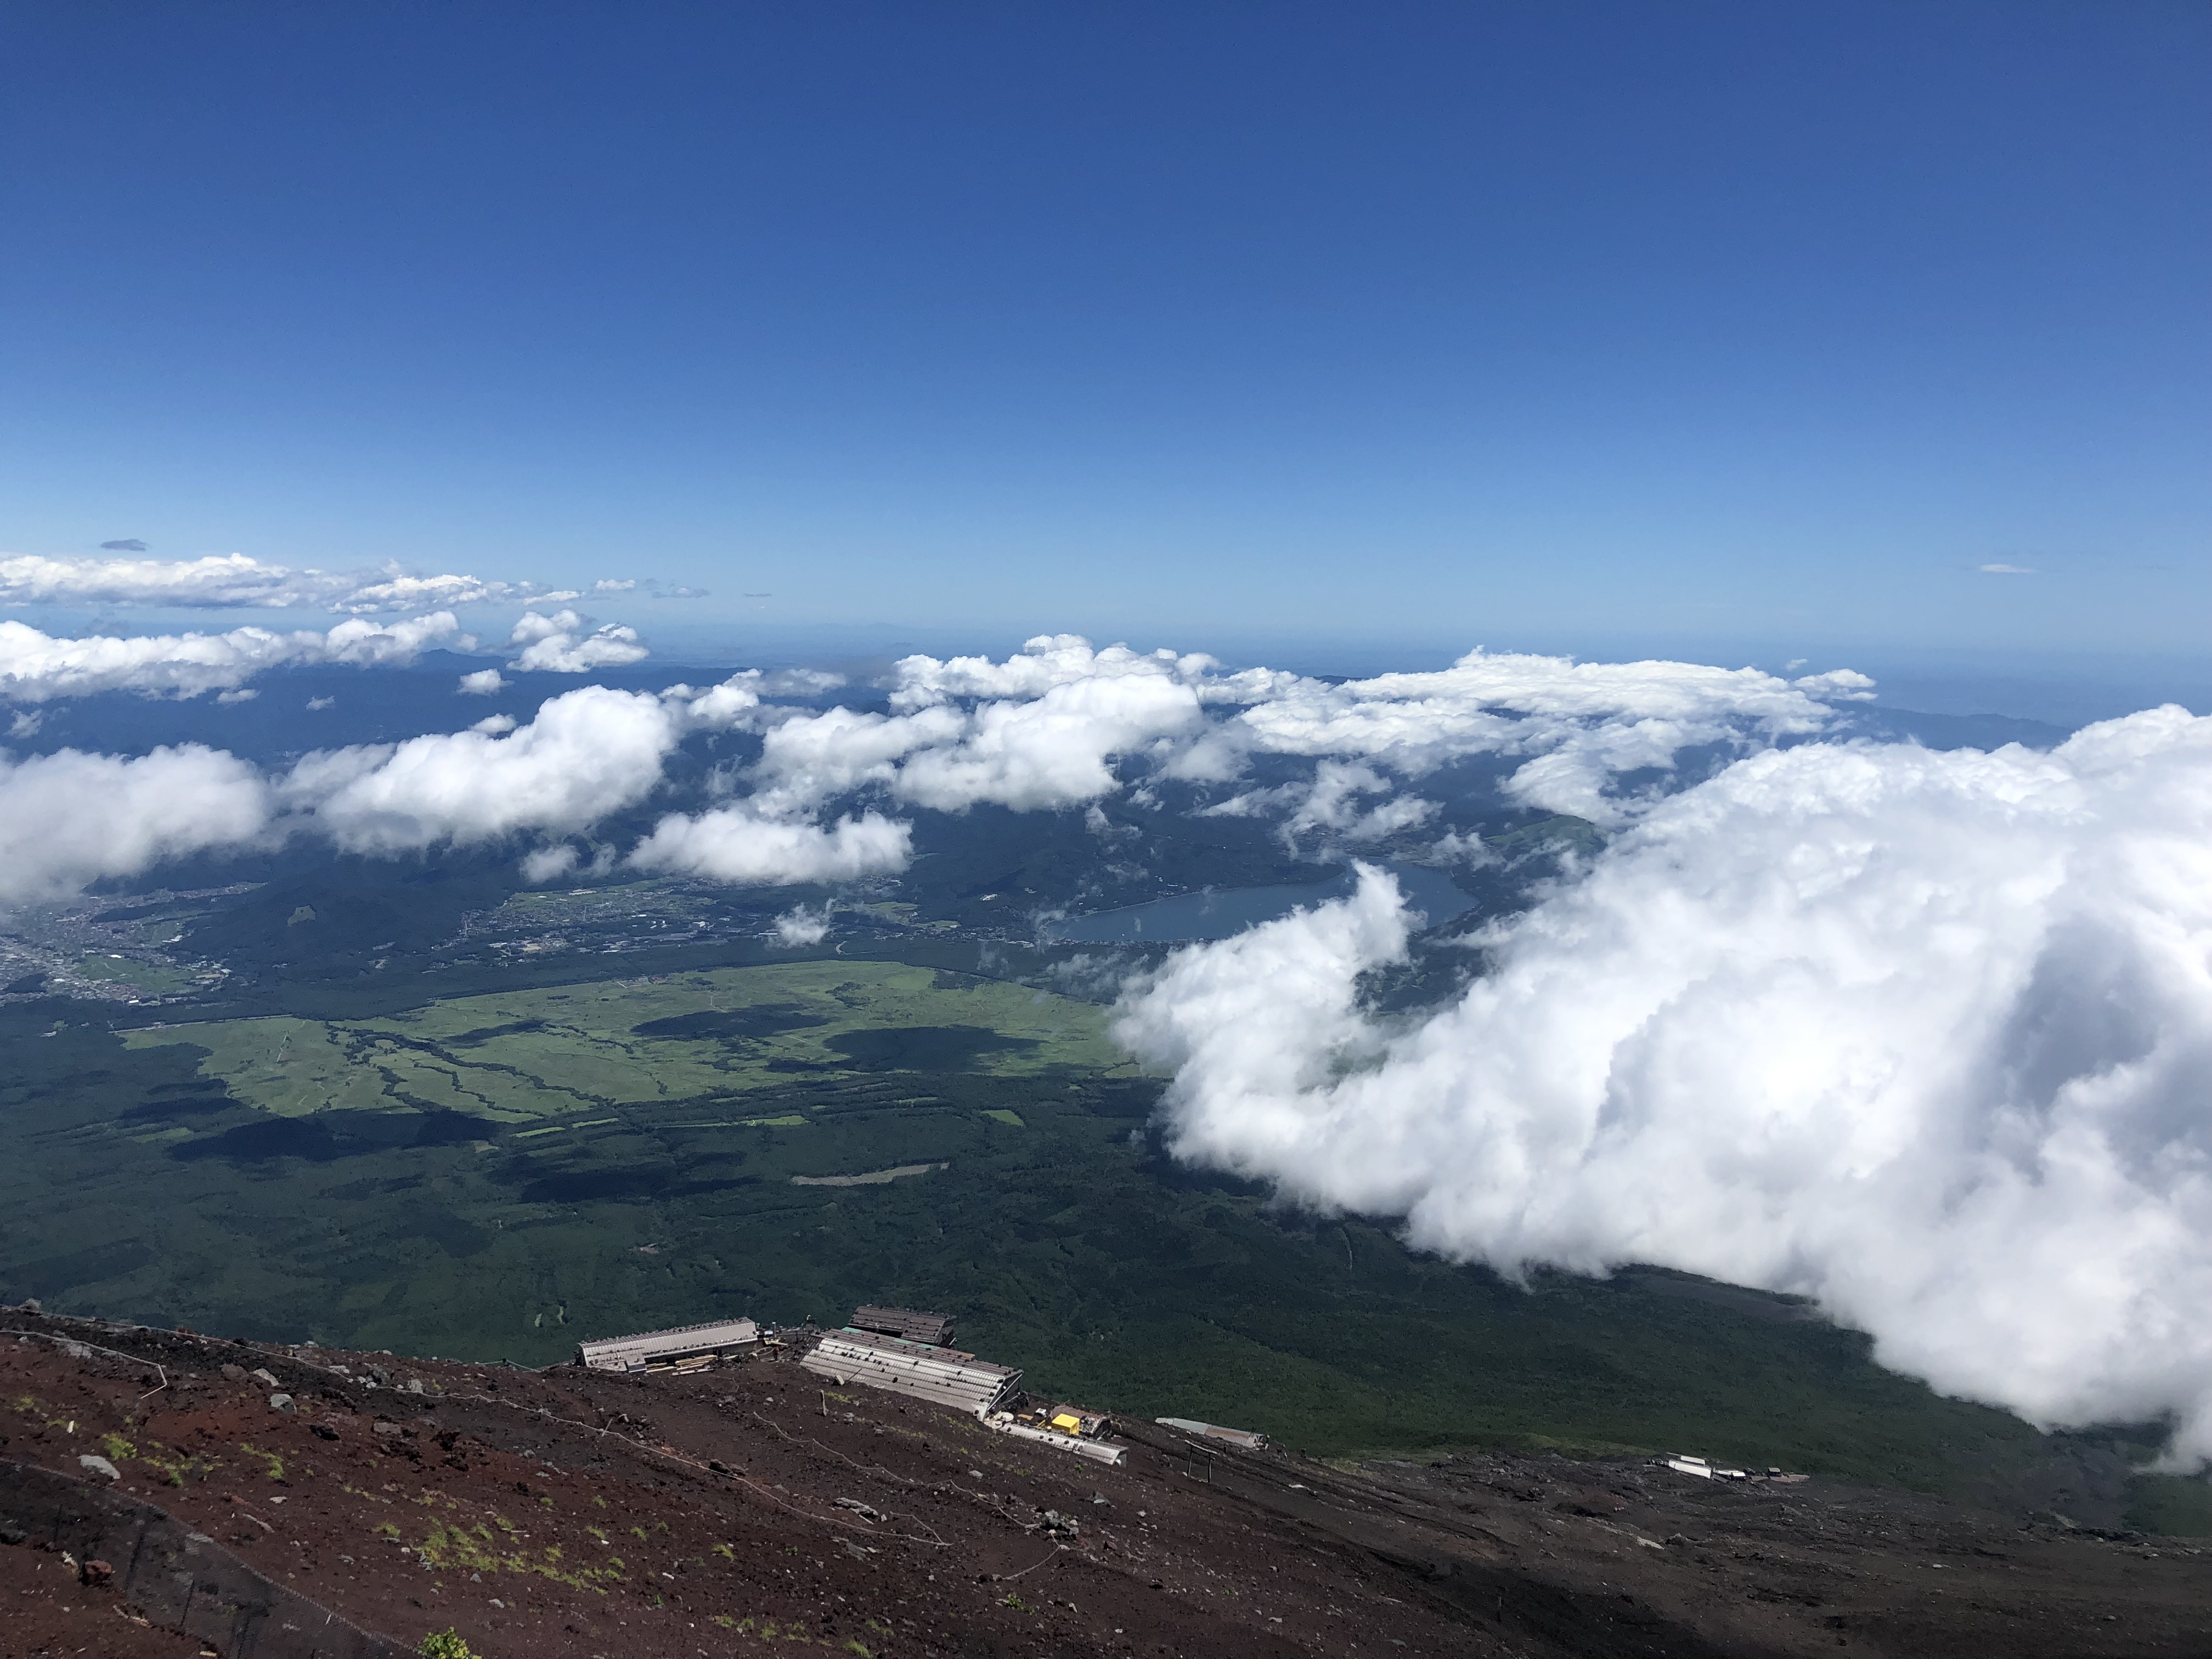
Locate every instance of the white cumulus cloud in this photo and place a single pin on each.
(587, 753)
(566, 643)
(237, 581)
(36, 667)
(69, 819)
(1047, 661)
(1926, 1036)
(1057, 723)
(1054, 745)
(739, 844)
(799, 927)
(1051, 752)
(1330, 803)
(1581, 723)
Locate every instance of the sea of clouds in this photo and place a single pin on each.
(1926, 1037)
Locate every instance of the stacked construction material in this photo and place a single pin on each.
(945, 1376)
(1072, 1419)
(1244, 1437)
(1099, 1451)
(907, 1324)
(683, 1346)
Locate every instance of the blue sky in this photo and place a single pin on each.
(1596, 327)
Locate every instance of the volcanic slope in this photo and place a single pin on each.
(748, 1510)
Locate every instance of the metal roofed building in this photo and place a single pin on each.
(909, 1324)
(945, 1376)
(658, 1350)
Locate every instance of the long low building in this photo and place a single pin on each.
(945, 1376)
(654, 1351)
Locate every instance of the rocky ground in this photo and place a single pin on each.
(749, 1510)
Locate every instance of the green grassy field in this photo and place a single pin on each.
(528, 1054)
(498, 1175)
(143, 975)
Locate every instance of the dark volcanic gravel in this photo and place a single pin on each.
(748, 1508)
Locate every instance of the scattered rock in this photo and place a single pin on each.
(96, 1575)
(94, 1463)
(1593, 1501)
(264, 1376)
(280, 1402)
(234, 1373)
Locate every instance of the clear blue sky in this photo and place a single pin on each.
(1549, 323)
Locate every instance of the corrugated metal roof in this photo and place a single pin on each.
(945, 1376)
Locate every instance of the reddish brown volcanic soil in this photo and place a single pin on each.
(748, 1510)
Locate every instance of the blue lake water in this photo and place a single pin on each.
(1220, 912)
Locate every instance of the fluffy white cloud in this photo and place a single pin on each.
(551, 863)
(560, 644)
(794, 682)
(1582, 723)
(1056, 749)
(483, 683)
(1926, 1036)
(811, 757)
(1048, 727)
(799, 927)
(69, 819)
(399, 592)
(645, 587)
(1047, 661)
(587, 753)
(235, 582)
(737, 844)
(224, 582)
(36, 667)
(1329, 803)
